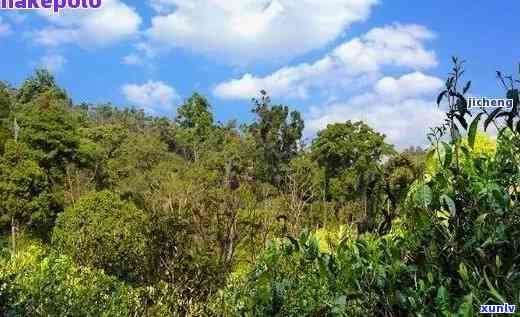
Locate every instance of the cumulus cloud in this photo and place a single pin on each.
(358, 60)
(407, 86)
(243, 31)
(155, 97)
(53, 62)
(87, 28)
(143, 55)
(402, 108)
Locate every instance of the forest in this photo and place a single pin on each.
(107, 211)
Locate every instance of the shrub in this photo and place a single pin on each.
(104, 232)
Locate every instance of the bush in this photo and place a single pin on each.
(104, 232)
(32, 284)
(365, 276)
(37, 282)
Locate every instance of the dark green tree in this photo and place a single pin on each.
(351, 154)
(25, 199)
(277, 133)
(5, 110)
(50, 126)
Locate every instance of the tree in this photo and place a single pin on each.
(50, 127)
(304, 185)
(195, 114)
(398, 174)
(5, 101)
(41, 82)
(5, 110)
(351, 154)
(276, 133)
(25, 198)
(196, 124)
(105, 232)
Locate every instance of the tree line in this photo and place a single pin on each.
(111, 212)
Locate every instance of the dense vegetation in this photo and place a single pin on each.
(110, 212)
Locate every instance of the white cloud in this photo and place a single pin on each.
(114, 22)
(243, 31)
(355, 61)
(53, 62)
(142, 56)
(155, 97)
(404, 115)
(407, 86)
(5, 29)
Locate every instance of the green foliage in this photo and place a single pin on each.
(365, 276)
(451, 249)
(41, 82)
(32, 284)
(194, 218)
(5, 110)
(50, 128)
(100, 231)
(40, 283)
(195, 114)
(196, 122)
(25, 198)
(349, 148)
(276, 134)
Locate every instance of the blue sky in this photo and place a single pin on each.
(333, 60)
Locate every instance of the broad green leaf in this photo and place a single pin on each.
(473, 130)
(423, 196)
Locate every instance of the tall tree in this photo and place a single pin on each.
(50, 126)
(196, 123)
(351, 154)
(25, 198)
(277, 133)
(40, 82)
(5, 109)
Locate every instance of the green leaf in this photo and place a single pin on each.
(430, 155)
(424, 196)
(448, 154)
(463, 271)
(466, 308)
(445, 199)
(493, 291)
(473, 130)
(481, 218)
